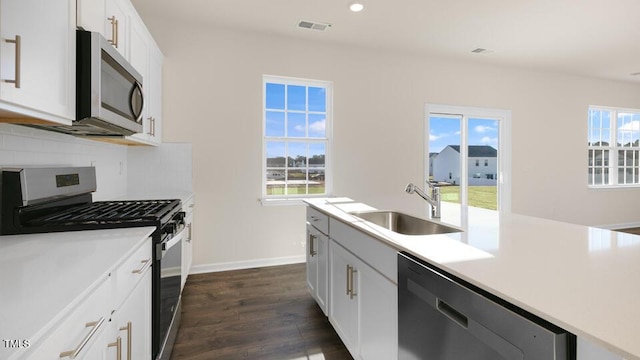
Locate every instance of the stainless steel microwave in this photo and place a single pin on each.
(109, 97)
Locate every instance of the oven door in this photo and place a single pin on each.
(169, 253)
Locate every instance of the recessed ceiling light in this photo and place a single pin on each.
(356, 6)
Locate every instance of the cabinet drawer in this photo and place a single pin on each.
(78, 332)
(131, 271)
(378, 255)
(319, 220)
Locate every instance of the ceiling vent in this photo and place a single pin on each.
(313, 25)
(479, 50)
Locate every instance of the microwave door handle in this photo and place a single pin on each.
(137, 87)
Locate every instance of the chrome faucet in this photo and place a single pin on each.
(433, 200)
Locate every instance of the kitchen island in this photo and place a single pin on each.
(580, 278)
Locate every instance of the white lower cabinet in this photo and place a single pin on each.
(131, 321)
(587, 350)
(187, 244)
(379, 316)
(352, 277)
(81, 333)
(112, 322)
(363, 307)
(345, 296)
(317, 266)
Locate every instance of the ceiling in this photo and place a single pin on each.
(585, 37)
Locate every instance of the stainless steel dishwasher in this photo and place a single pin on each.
(441, 317)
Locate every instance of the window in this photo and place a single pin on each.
(613, 147)
(297, 128)
(477, 162)
(486, 162)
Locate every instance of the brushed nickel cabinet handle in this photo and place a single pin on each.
(348, 279)
(312, 241)
(118, 345)
(114, 31)
(352, 293)
(150, 132)
(142, 267)
(72, 354)
(117, 32)
(16, 80)
(189, 233)
(128, 328)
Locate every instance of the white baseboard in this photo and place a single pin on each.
(248, 264)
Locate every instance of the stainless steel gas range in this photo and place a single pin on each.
(42, 200)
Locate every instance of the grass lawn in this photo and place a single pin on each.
(479, 196)
(295, 190)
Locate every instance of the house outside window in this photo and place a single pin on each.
(296, 142)
(613, 147)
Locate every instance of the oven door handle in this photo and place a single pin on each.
(174, 240)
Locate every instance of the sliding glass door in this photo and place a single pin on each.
(466, 158)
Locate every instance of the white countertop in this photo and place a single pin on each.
(40, 275)
(580, 278)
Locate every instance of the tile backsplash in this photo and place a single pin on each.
(163, 169)
(24, 146)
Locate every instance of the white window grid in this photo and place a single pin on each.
(287, 140)
(613, 147)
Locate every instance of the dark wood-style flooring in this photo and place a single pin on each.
(263, 313)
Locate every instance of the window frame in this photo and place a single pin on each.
(285, 199)
(613, 166)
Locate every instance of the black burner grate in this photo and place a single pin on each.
(110, 212)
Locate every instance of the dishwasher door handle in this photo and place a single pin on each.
(453, 314)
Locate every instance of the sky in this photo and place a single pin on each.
(445, 131)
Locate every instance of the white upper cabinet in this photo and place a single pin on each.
(147, 58)
(117, 24)
(91, 15)
(108, 17)
(37, 59)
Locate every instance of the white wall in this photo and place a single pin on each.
(212, 94)
(22, 146)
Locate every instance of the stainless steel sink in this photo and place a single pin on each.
(404, 224)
